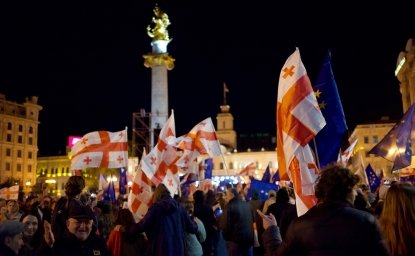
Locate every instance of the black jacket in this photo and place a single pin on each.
(69, 245)
(331, 228)
(237, 222)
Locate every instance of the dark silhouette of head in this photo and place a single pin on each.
(335, 184)
(74, 186)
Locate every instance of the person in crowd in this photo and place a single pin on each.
(361, 201)
(32, 234)
(237, 224)
(73, 189)
(122, 244)
(283, 210)
(257, 204)
(78, 238)
(11, 237)
(165, 224)
(204, 212)
(12, 211)
(193, 241)
(332, 226)
(397, 219)
(271, 199)
(45, 208)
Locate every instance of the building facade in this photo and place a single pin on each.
(18, 141)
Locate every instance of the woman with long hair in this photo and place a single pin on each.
(397, 219)
(32, 234)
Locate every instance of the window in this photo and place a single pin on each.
(19, 167)
(9, 138)
(29, 168)
(20, 128)
(31, 130)
(19, 153)
(9, 126)
(375, 139)
(8, 167)
(231, 165)
(8, 152)
(30, 155)
(221, 166)
(20, 139)
(30, 141)
(366, 139)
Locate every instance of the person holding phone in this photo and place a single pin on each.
(331, 227)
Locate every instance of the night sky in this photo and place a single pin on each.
(84, 60)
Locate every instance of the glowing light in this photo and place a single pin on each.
(400, 65)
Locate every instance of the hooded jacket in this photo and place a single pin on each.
(165, 225)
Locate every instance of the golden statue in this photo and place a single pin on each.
(161, 22)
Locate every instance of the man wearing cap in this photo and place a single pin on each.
(11, 237)
(78, 238)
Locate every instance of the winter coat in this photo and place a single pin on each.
(332, 228)
(165, 225)
(69, 245)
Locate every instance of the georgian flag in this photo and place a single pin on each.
(201, 139)
(100, 149)
(160, 164)
(139, 199)
(10, 193)
(299, 119)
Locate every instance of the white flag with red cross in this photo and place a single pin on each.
(201, 139)
(160, 164)
(139, 199)
(299, 119)
(101, 149)
(10, 193)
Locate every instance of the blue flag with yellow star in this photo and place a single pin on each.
(374, 180)
(398, 144)
(329, 140)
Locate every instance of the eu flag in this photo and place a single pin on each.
(397, 145)
(275, 177)
(123, 181)
(374, 180)
(329, 139)
(261, 187)
(208, 168)
(109, 192)
(267, 175)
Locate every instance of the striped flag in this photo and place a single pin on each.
(100, 149)
(299, 119)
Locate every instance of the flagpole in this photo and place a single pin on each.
(315, 148)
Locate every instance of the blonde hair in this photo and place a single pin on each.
(397, 219)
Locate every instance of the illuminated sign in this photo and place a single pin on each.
(72, 140)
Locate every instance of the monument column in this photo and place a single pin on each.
(160, 62)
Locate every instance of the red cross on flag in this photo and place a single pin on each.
(201, 139)
(160, 164)
(139, 199)
(100, 149)
(10, 193)
(249, 169)
(299, 119)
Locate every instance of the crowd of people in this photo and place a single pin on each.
(347, 220)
